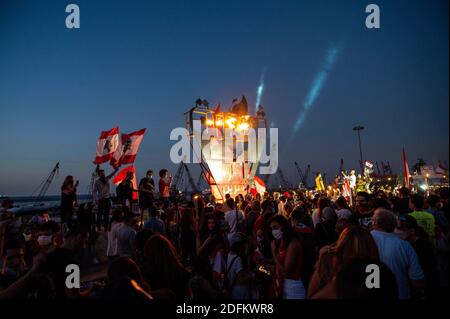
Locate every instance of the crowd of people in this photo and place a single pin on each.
(285, 245)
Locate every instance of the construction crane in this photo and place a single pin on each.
(303, 176)
(46, 184)
(300, 173)
(283, 181)
(178, 180)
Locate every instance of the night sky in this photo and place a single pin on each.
(140, 64)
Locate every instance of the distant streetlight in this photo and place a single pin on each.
(358, 129)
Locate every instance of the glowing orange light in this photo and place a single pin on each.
(209, 122)
(230, 122)
(219, 122)
(243, 126)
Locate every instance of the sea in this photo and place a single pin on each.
(53, 201)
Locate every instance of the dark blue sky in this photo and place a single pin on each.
(142, 64)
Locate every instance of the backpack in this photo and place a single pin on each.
(227, 285)
(250, 281)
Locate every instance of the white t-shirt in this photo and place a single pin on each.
(230, 218)
(111, 249)
(352, 179)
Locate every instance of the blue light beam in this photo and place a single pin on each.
(260, 90)
(317, 85)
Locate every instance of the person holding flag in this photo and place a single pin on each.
(129, 146)
(102, 197)
(125, 190)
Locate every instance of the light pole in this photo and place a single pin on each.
(358, 129)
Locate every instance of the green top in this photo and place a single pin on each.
(426, 221)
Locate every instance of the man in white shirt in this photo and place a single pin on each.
(352, 180)
(102, 197)
(396, 253)
(233, 216)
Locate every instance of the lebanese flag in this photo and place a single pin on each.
(122, 175)
(126, 153)
(107, 144)
(259, 186)
(405, 169)
(369, 164)
(346, 190)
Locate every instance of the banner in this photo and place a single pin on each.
(122, 175)
(405, 169)
(107, 145)
(126, 152)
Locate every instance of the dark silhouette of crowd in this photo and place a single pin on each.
(269, 246)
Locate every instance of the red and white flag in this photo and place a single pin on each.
(258, 187)
(369, 164)
(126, 152)
(346, 190)
(405, 169)
(122, 175)
(106, 145)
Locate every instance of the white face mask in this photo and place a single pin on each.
(277, 234)
(44, 240)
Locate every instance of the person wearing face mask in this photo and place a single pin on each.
(409, 230)
(146, 188)
(299, 221)
(288, 256)
(45, 237)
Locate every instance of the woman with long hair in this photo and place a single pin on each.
(324, 219)
(68, 198)
(288, 256)
(162, 267)
(211, 243)
(354, 242)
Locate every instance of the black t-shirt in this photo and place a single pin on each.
(149, 185)
(364, 220)
(125, 190)
(67, 202)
